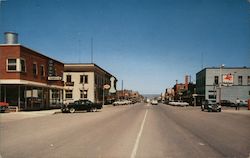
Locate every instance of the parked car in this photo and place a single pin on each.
(154, 102)
(227, 103)
(210, 105)
(178, 103)
(80, 105)
(243, 103)
(3, 106)
(122, 102)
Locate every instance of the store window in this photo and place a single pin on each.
(68, 94)
(248, 80)
(11, 65)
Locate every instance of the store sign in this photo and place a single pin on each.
(112, 86)
(54, 78)
(106, 86)
(51, 68)
(228, 79)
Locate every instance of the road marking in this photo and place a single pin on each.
(133, 154)
(201, 144)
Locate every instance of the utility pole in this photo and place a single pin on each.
(122, 90)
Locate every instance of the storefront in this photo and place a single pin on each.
(31, 97)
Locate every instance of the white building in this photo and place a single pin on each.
(85, 81)
(210, 83)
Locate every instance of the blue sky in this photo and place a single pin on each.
(146, 43)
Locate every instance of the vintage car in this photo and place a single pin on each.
(81, 105)
(210, 105)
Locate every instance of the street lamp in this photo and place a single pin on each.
(220, 82)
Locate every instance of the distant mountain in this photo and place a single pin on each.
(151, 96)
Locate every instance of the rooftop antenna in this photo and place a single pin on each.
(92, 50)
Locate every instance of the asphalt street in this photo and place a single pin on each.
(134, 131)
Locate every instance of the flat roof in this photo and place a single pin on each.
(7, 45)
(78, 67)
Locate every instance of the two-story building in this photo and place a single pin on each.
(86, 81)
(29, 80)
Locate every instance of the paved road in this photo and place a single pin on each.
(128, 131)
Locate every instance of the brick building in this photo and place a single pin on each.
(28, 79)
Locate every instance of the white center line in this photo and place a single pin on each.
(133, 154)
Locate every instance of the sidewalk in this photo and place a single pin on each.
(243, 110)
(12, 116)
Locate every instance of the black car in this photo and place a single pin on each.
(210, 105)
(227, 103)
(80, 105)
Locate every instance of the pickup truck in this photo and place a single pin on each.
(80, 105)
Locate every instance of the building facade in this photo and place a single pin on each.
(28, 79)
(223, 83)
(86, 81)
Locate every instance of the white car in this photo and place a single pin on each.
(178, 103)
(154, 102)
(122, 102)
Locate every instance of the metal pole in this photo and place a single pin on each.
(220, 82)
(103, 96)
(19, 99)
(92, 51)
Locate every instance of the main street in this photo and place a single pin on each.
(132, 131)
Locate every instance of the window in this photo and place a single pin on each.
(83, 94)
(42, 72)
(23, 65)
(239, 80)
(68, 94)
(83, 79)
(211, 96)
(68, 78)
(34, 68)
(11, 65)
(216, 80)
(248, 80)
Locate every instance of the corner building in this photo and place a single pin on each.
(28, 79)
(208, 83)
(86, 81)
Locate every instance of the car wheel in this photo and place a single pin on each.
(219, 110)
(72, 110)
(94, 109)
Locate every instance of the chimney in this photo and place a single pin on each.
(11, 38)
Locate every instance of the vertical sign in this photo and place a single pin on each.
(51, 68)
